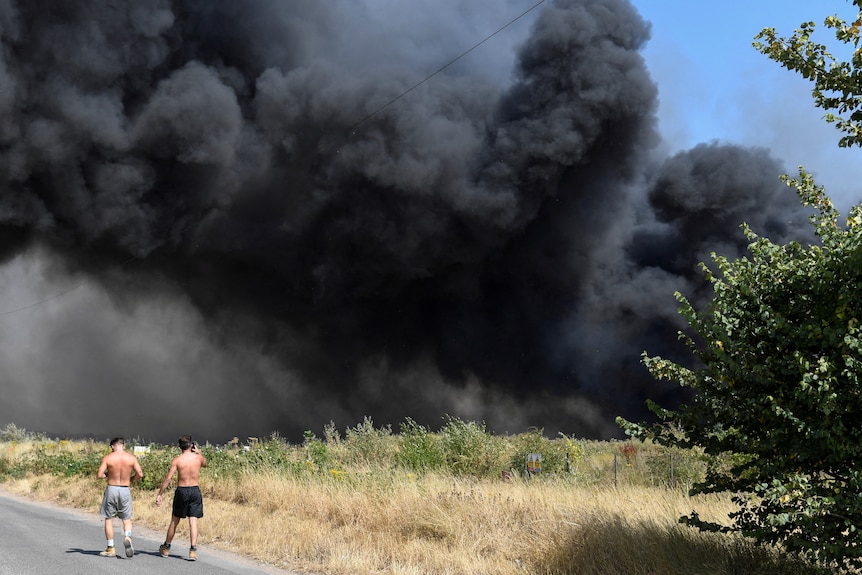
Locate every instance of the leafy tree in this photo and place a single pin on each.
(836, 82)
(778, 353)
(777, 384)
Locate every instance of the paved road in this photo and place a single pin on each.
(42, 539)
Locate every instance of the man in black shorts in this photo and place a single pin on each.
(188, 501)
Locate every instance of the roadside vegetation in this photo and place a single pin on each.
(775, 362)
(370, 500)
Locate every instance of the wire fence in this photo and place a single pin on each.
(654, 467)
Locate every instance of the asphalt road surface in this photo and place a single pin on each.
(43, 539)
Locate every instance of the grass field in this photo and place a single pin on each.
(374, 502)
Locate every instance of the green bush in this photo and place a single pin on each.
(270, 454)
(419, 450)
(6, 468)
(12, 433)
(46, 458)
(460, 448)
(367, 445)
(75, 464)
(470, 450)
(222, 463)
(317, 451)
(553, 452)
(155, 466)
(574, 453)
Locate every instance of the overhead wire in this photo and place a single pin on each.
(352, 130)
(443, 67)
(56, 295)
(41, 301)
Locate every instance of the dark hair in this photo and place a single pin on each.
(185, 442)
(119, 440)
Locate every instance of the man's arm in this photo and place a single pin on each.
(196, 451)
(103, 469)
(139, 473)
(167, 480)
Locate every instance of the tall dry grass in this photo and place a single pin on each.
(390, 523)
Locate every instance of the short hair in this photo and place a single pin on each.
(119, 440)
(185, 442)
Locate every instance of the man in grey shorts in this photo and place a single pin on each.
(118, 468)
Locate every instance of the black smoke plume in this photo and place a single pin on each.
(253, 244)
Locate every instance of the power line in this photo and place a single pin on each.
(56, 295)
(352, 129)
(428, 77)
(47, 299)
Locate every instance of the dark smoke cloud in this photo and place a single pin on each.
(262, 248)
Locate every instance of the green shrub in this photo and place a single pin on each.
(222, 463)
(317, 451)
(553, 452)
(470, 450)
(460, 448)
(419, 450)
(12, 433)
(367, 445)
(46, 458)
(270, 454)
(155, 466)
(6, 468)
(75, 464)
(331, 435)
(574, 453)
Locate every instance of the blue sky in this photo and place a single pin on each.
(713, 85)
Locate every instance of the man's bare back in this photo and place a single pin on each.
(117, 468)
(188, 467)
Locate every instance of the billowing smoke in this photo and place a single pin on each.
(236, 218)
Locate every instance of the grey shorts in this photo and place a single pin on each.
(116, 502)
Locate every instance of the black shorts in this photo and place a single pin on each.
(188, 502)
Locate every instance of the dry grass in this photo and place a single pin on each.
(438, 525)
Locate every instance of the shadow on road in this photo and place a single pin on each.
(83, 551)
(138, 552)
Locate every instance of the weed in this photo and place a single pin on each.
(366, 445)
(14, 433)
(629, 451)
(419, 449)
(470, 450)
(316, 450)
(553, 452)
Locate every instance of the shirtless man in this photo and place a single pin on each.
(117, 467)
(188, 501)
